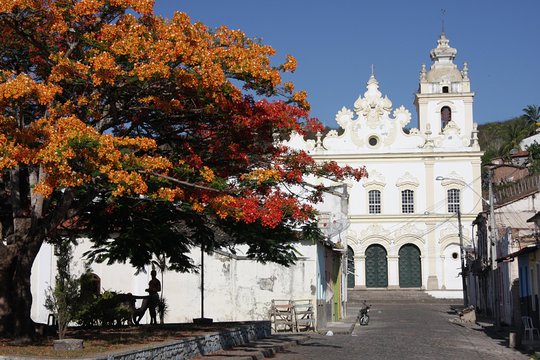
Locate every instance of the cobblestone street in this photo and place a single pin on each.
(406, 331)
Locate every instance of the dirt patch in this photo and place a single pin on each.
(106, 340)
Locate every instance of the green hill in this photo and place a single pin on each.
(499, 138)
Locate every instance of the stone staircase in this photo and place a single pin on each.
(355, 297)
(374, 297)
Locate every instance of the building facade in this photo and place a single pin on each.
(423, 182)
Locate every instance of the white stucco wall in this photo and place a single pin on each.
(236, 289)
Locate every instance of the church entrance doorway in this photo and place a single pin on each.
(376, 267)
(410, 268)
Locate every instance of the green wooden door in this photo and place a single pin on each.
(350, 268)
(410, 270)
(376, 267)
(336, 279)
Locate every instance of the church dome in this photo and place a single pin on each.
(443, 68)
(444, 74)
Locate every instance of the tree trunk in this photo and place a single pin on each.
(27, 220)
(16, 296)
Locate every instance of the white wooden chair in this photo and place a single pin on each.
(282, 315)
(529, 328)
(303, 315)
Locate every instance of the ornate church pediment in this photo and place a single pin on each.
(448, 231)
(402, 116)
(297, 141)
(373, 108)
(451, 128)
(344, 118)
(453, 179)
(450, 234)
(374, 230)
(352, 237)
(451, 137)
(372, 125)
(409, 230)
(375, 179)
(407, 180)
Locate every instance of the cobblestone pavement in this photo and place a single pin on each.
(406, 331)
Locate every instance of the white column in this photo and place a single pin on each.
(393, 271)
(360, 271)
(443, 274)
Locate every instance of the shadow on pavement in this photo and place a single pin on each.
(501, 334)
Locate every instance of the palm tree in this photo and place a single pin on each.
(514, 132)
(532, 115)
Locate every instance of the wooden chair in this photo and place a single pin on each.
(282, 315)
(304, 315)
(529, 328)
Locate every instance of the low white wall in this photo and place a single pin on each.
(235, 289)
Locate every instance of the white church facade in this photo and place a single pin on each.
(402, 225)
(403, 219)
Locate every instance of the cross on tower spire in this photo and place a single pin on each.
(443, 12)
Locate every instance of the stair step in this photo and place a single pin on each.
(357, 296)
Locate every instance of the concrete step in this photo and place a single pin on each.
(356, 296)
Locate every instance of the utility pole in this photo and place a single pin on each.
(462, 255)
(493, 246)
(492, 225)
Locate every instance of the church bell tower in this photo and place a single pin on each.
(444, 97)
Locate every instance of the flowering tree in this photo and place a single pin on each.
(166, 132)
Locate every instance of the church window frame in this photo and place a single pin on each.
(407, 201)
(407, 186)
(453, 189)
(374, 201)
(453, 198)
(375, 182)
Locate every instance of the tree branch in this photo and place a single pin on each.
(185, 183)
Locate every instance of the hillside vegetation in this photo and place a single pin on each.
(498, 139)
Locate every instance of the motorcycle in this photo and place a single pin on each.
(363, 316)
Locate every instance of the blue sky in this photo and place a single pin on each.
(335, 43)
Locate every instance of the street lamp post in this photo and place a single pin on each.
(462, 255)
(461, 245)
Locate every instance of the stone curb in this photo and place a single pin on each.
(260, 349)
(185, 348)
(345, 327)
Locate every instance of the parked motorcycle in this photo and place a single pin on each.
(363, 316)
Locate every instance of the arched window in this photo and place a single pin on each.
(407, 201)
(374, 199)
(453, 200)
(446, 116)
